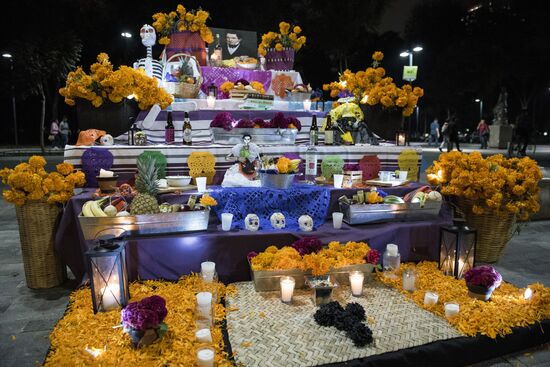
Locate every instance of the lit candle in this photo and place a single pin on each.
(211, 101)
(204, 303)
(451, 309)
(307, 105)
(528, 294)
(430, 298)
(208, 268)
(409, 279)
(205, 357)
(287, 288)
(203, 336)
(111, 295)
(356, 279)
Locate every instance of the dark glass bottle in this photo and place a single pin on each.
(169, 130)
(313, 131)
(329, 132)
(187, 130)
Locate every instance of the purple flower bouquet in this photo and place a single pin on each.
(482, 281)
(144, 320)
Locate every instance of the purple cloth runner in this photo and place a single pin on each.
(217, 76)
(173, 255)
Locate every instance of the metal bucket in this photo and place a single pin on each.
(277, 180)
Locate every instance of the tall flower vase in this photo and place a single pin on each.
(37, 224)
(384, 123)
(114, 118)
(186, 42)
(493, 231)
(280, 60)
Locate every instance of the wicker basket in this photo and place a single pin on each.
(182, 90)
(493, 231)
(37, 224)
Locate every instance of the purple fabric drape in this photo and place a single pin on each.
(217, 76)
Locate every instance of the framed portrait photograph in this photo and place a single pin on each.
(235, 43)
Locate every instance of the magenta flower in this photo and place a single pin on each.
(294, 121)
(259, 121)
(145, 314)
(223, 120)
(483, 276)
(373, 256)
(279, 120)
(251, 255)
(245, 123)
(307, 245)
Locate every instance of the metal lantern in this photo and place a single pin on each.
(132, 134)
(106, 263)
(401, 138)
(457, 248)
(212, 90)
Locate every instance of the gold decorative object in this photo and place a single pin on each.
(202, 164)
(408, 161)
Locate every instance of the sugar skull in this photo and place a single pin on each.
(148, 35)
(252, 222)
(277, 220)
(306, 223)
(106, 140)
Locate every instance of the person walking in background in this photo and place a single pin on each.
(434, 133)
(445, 133)
(483, 131)
(453, 135)
(65, 131)
(523, 130)
(54, 136)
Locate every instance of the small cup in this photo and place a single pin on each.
(338, 180)
(201, 184)
(203, 335)
(430, 298)
(227, 218)
(205, 357)
(409, 280)
(337, 218)
(403, 175)
(451, 309)
(287, 288)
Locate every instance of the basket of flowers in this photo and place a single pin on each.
(279, 48)
(182, 76)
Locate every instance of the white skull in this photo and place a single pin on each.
(148, 35)
(252, 222)
(277, 220)
(106, 140)
(306, 223)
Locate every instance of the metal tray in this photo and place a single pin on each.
(259, 136)
(379, 213)
(145, 224)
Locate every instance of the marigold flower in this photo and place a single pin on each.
(297, 29)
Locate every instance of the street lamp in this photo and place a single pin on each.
(9, 56)
(480, 101)
(126, 35)
(409, 53)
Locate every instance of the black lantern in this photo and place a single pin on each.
(132, 134)
(401, 138)
(212, 90)
(107, 271)
(457, 248)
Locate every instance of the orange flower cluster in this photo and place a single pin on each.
(31, 182)
(288, 37)
(335, 255)
(507, 308)
(182, 20)
(80, 329)
(373, 87)
(494, 183)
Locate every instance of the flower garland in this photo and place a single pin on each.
(373, 87)
(288, 37)
(493, 183)
(335, 255)
(31, 182)
(80, 329)
(182, 20)
(105, 84)
(507, 308)
(347, 319)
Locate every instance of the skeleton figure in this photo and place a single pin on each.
(306, 223)
(152, 67)
(247, 153)
(252, 222)
(277, 220)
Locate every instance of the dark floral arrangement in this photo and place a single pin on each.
(373, 257)
(483, 276)
(351, 167)
(347, 319)
(307, 245)
(227, 122)
(148, 313)
(251, 255)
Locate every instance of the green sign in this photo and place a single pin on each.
(409, 73)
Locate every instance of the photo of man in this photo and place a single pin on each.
(235, 43)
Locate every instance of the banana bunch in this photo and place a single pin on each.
(294, 163)
(92, 208)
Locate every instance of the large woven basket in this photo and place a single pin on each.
(37, 223)
(182, 90)
(493, 231)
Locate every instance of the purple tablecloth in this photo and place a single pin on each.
(217, 76)
(173, 255)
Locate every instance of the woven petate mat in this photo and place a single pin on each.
(265, 332)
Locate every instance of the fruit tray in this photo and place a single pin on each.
(145, 224)
(379, 213)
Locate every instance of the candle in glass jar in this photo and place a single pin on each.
(210, 101)
(205, 357)
(451, 309)
(307, 105)
(356, 279)
(287, 288)
(430, 298)
(203, 336)
(409, 279)
(110, 294)
(207, 270)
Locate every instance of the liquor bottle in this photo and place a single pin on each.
(329, 132)
(311, 164)
(313, 131)
(217, 54)
(169, 130)
(187, 130)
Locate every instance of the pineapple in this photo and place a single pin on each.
(145, 202)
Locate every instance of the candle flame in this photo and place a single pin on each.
(528, 294)
(95, 352)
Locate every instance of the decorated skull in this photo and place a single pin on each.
(106, 140)
(277, 220)
(148, 35)
(252, 222)
(306, 223)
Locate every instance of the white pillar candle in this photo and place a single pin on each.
(430, 298)
(409, 280)
(287, 288)
(211, 101)
(204, 304)
(338, 180)
(337, 218)
(227, 218)
(356, 279)
(110, 295)
(205, 357)
(451, 309)
(208, 268)
(203, 336)
(307, 105)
